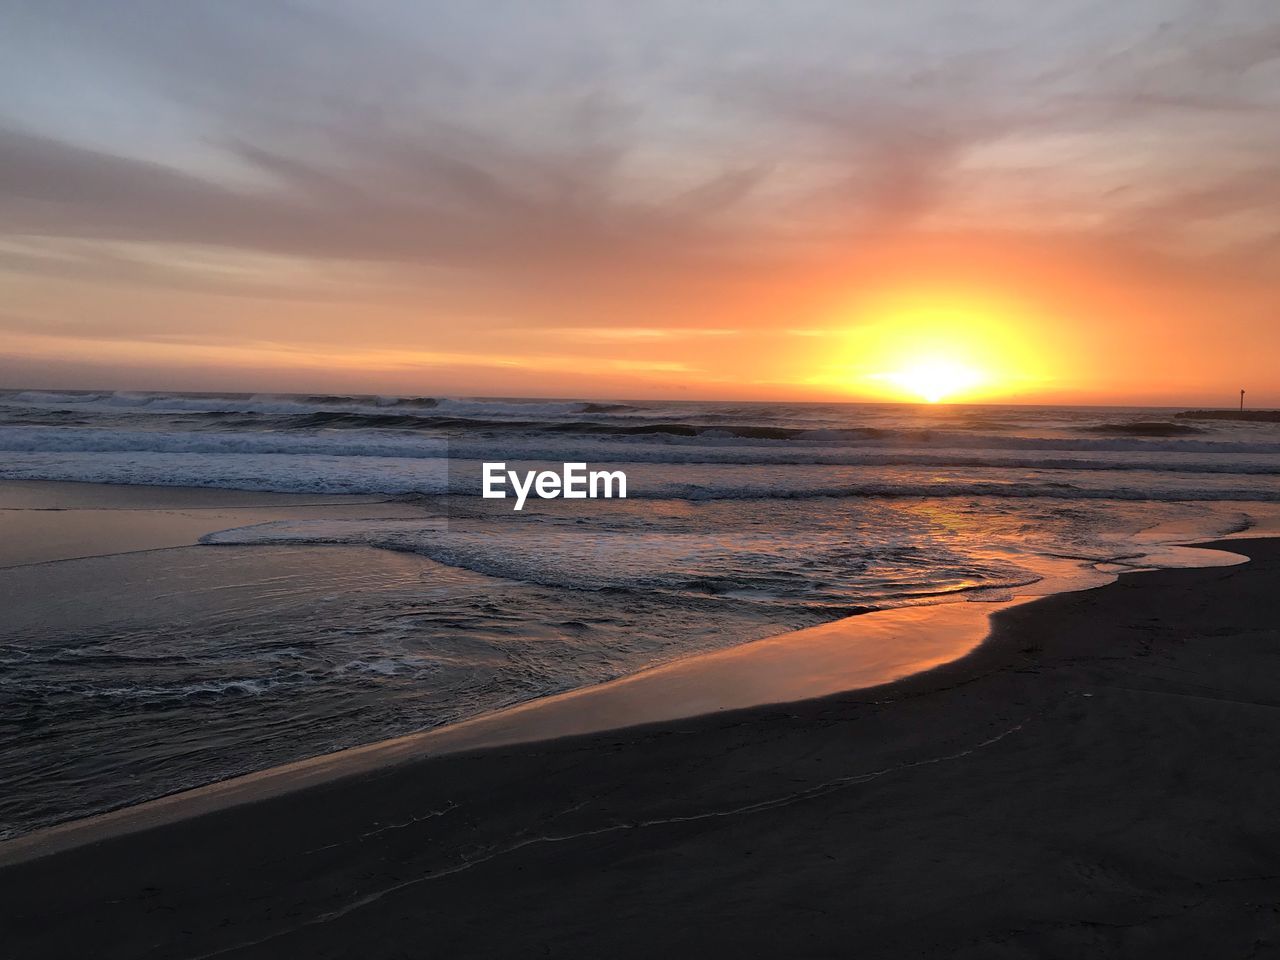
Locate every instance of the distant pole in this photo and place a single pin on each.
(1242, 401)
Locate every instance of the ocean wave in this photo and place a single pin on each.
(301, 405)
(766, 433)
(817, 425)
(252, 686)
(349, 443)
(1145, 428)
(608, 407)
(47, 397)
(978, 489)
(333, 400)
(1228, 458)
(361, 421)
(154, 695)
(702, 568)
(437, 476)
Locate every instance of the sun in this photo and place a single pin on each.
(934, 379)
(934, 346)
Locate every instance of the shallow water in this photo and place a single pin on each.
(129, 677)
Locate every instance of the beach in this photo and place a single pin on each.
(1094, 779)
(200, 587)
(967, 682)
(155, 676)
(504, 480)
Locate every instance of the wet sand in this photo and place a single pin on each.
(1097, 779)
(121, 591)
(846, 654)
(42, 521)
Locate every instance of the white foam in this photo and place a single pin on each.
(408, 444)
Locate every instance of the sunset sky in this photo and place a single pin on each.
(1069, 202)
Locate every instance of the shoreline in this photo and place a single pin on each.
(50, 521)
(1092, 779)
(791, 666)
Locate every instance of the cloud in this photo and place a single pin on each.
(625, 334)
(372, 139)
(619, 174)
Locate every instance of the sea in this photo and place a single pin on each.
(276, 640)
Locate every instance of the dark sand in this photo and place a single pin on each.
(848, 654)
(164, 580)
(1098, 779)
